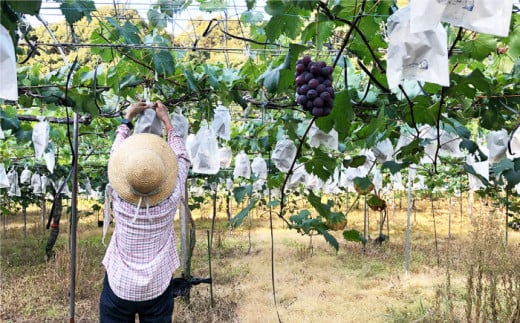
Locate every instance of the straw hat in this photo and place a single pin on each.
(143, 168)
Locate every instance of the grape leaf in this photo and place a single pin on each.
(31, 7)
(157, 19)
(163, 62)
(393, 166)
(74, 10)
(353, 235)
(480, 47)
(321, 208)
(328, 237)
(239, 218)
(240, 192)
(212, 5)
(321, 164)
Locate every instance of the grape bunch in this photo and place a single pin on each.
(314, 86)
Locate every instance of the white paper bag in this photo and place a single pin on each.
(377, 179)
(88, 187)
(226, 154)
(192, 145)
(284, 154)
(481, 168)
(259, 167)
(36, 184)
(4, 181)
(44, 181)
(485, 16)
(221, 124)
(14, 183)
(40, 137)
(9, 88)
(149, 123)
(242, 166)
(50, 159)
(25, 176)
(397, 181)
(318, 137)
(313, 183)
(496, 142)
(299, 176)
(421, 56)
(180, 123)
(65, 191)
(383, 150)
(229, 184)
(206, 159)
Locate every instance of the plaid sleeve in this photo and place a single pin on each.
(178, 146)
(122, 132)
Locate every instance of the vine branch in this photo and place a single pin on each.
(85, 119)
(290, 172)
(441, 103)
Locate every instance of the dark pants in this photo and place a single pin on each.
(115, 309)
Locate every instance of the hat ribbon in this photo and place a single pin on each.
(141, 195)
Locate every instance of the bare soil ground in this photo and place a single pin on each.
(312, 282)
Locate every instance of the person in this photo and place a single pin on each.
(148, 177)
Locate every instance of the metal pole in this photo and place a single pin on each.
(408, 214)
(507, 215)
(185, 245)
(73, 221)
(365, 223)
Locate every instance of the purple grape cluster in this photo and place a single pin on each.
(314, 86)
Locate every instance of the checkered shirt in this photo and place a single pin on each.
(142, 255)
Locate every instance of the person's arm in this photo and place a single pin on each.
(175, 141)
(123, 130)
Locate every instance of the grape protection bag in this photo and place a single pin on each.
(206, 158)
(377, 179)
(484, 16)
(318, 137)
(14, 183)
(496, 142)
(242, 166)
(40, 137)
(299, 176)
(221, 124)
(65, 191)
(259, 167)
(192, 145)
(36, 184)
(4, 181)
(9, 88)
(284, 154)
(314, 183)
(44, 181)
(25, 176)
(88, 187)
(481, 168)
(180, 123)
(397, 181)
(50, 159)
(421, 56)
(149, 123)
(226, 154)
(383, 150)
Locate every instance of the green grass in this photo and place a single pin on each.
(372, 279)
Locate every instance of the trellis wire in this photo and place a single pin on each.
(272, 51)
